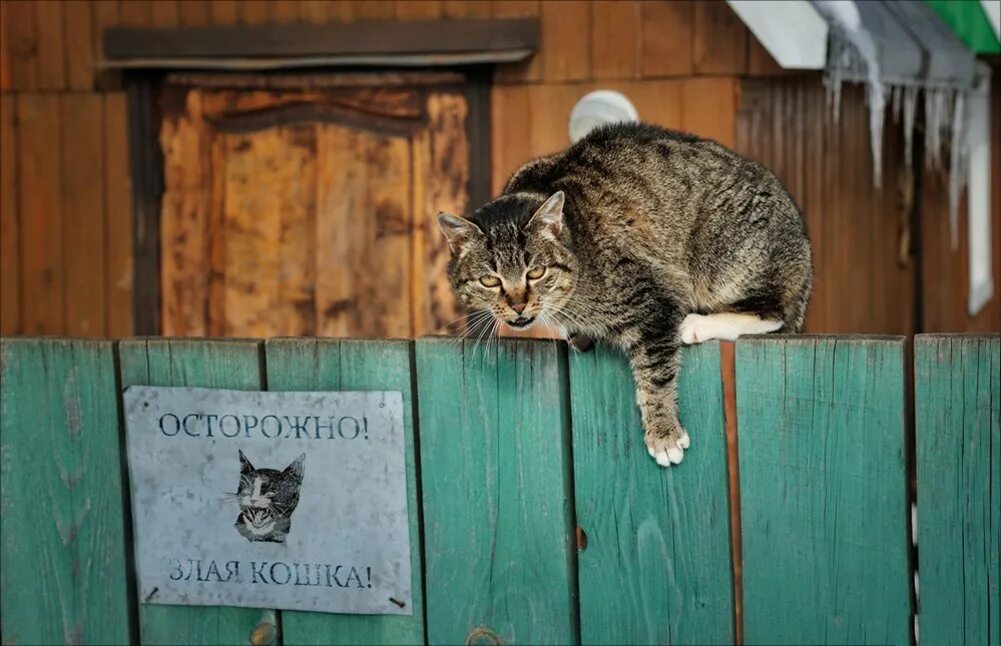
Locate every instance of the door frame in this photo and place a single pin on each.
(144, 90)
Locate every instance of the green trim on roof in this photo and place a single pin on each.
(968, 21)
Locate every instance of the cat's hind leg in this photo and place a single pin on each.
(726, 326)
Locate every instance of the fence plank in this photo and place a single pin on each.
(958, 415)
(823, 490)
(63, 535)
(208, 364)
(656, 566)
(331, 364)
(494, 423)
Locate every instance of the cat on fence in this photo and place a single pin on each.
(644, 237)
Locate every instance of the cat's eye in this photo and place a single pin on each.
(535, 273)
(489, 281)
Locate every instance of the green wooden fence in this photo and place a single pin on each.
(539, 517)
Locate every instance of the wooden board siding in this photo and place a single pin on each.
(63, 535)
(212, 364)
(654, 544)
(824, 490)
(356, 365)
(53, 48)
(945, 275)
(532, 120)
(517, 551)
(485, 582)
(860, 284)
(294, 213)
(65, 209)
(680, 62)
(958, 440)
(10, 250)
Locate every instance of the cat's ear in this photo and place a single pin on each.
(245, 465)
(549, 218)
(296, 469)
(458, 232)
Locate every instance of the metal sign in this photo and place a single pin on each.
(295, 501)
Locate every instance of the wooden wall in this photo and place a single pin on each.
(65, 217)
(945, 273)
(65, 236)
(861, 284)
(878, 269)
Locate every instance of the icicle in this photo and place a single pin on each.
(832, 86)
(846, 16)
(876, 101)
(958, 158)
(934, 112)
(910, 110)
(895, 92)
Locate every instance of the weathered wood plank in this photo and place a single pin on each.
(566, 33)
(709, 108)
(823, 490)
(615, 47)
(270, 192)
(719, 40)
(5, 79)
(282, 11)
(10, 246)
(38, 171)
(958, 436)
(77, 29)
(106, 14)
(207, 364)
(166, 13)
(51, 58)
(418, 9)
(654, 565)
(197, 13)
(21, 42)
(217, 12)
(495, 470)
(82, 197)
(183, 220)
(330, 364)
(446, 182)
(137, 13)
(527, 70)
(117, 217)
(666, 38)
(62, 537)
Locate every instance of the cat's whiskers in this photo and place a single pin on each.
(488, 330)
(469, 317)
(479, 327)
(483, 319)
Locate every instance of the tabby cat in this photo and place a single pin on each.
(643, 237)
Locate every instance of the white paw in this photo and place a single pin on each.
(667, 451)
(684, 441)
(690, 329)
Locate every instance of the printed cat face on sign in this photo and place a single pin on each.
(267, 499)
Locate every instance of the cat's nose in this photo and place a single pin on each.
(518, 307)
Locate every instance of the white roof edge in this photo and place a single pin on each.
(993, 10)
(791, 30)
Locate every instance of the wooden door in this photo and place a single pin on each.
(309, 212)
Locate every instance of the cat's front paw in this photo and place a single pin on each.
(691, 330)
(668, 449)
(580, 342)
